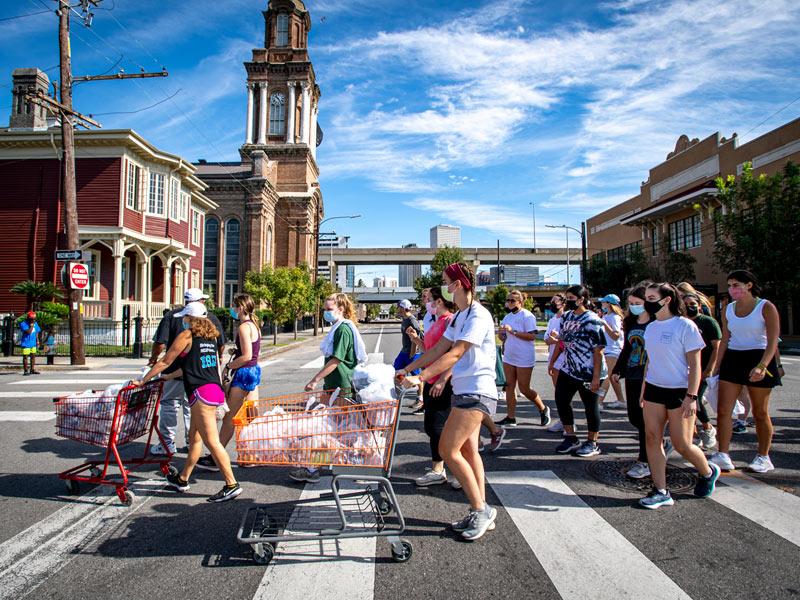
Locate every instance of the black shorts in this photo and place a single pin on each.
(737, 364)
(671, 398)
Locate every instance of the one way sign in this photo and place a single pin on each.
(64, 255)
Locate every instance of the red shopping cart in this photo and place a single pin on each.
(352, 441)
(111, 422)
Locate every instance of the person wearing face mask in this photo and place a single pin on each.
(343, 349)
(551, 338)
(408, 326)
(747, 358)
(195, 353)
(630, 366)
(518, 332)
(173, 400)
(612, 330)
(430, 309)
(670, 392)
(468, 348)
(583, 370)
(245, 369)
(712, 335)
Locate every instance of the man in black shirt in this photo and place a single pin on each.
(173, 396)
(408, 353)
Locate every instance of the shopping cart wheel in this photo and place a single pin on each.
(405, 555)
(385, 506)
(171, 470)
(129, 498)
(263, 553)
(72, 486)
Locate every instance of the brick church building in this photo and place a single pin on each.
(269, 203)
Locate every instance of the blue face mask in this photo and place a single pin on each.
(234, 314)
(185, 325)
(329, 316)
(636, 309)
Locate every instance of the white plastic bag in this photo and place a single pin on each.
(712, 391)
(369, 374)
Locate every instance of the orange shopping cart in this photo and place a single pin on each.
(351, 441)
(111, 422)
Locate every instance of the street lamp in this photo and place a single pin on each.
(580, 232)
(533, 208)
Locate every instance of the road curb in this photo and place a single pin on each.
(281, 349)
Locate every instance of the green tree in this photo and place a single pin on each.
(604, 277)
(37, 291)
(373, 310)
(361, 283)
(759, 228)
(495, 301)
(270, 289)
(433, 278)
(679, 266)
(300, 298)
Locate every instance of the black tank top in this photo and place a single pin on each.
(200, 364)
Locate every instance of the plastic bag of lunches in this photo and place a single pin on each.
(87, 416)
(384, 415)
(266, 438)
(369, 374)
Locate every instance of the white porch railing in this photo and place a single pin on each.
(97, 309)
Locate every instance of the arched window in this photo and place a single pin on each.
(277, 114)
(269, 245)
(232, 236)
(282, 39)
(211, 255)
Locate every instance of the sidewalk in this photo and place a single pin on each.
(286, 342)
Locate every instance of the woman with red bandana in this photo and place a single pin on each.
(747, 358)
(468, 348)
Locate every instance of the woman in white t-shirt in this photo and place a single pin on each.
(669, 394)
(612, 330)
(468, 348)
(518, 331)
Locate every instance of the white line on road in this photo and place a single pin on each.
(33, 394)
(265, 363)
(378, 342)
(761, 503)
(65, 381)
(789, 359)
(33, 556)
(556, 523)
(27, 415)
(343, 568)
(317, 363)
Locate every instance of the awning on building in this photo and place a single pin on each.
(670, 205)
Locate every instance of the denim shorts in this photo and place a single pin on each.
(485, 404)
(247, 378)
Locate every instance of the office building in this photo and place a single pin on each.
(446, 235)
(408, 274)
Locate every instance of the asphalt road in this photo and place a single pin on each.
(561, 533)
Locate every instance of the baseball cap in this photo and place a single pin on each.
(404, 304)
(192, 309)
(193, 295)
(611, 299)
(31, 315)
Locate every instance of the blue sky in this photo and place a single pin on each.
(447, 111)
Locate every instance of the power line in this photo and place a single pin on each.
(33, 14)
(780, 110)
(133, 112)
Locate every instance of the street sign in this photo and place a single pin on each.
(69, 254)
(78, 276)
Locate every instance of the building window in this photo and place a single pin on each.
(184, 208)
(132, 194)
(156, 203)
(92, 292)
(623, 253)
(195, 228)
(269, 245)
(277, 114)
(232, 231)
(174, 199)
(282, 39)
(195, 278)
(684, 234)
(654, 239)
(211, 253)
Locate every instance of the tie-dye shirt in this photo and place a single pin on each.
(581, 334)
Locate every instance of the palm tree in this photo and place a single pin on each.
(37, 291)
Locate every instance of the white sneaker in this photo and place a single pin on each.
(639, 470)
(556, 427)
(723, 461)
(158, 450)
(431, 478)
(761, 464)
(614, 404)
(708, 438)
(455, 483)
(667, 447)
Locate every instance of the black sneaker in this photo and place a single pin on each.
(228, 492)
(587, 449)
(207, 464)
(545, 417)
(176, 483)
(26, 373)
(304, 475)
(506, 422)
(705, 485)
(419, 411)
(35, 372)
(569, 444)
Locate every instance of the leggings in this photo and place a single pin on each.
(436, 412)
(633, 389)
(702, 405)
(566, 386)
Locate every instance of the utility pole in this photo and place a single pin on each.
(77, 355)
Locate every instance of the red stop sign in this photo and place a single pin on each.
(78, 276)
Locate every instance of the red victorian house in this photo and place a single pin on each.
(140, 211)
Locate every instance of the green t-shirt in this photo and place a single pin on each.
(709, 329)
(344, 350)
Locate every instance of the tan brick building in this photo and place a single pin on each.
(676, 203)
(269, 201)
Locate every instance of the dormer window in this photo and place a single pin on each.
(283, 30)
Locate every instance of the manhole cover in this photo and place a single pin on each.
(612, 472)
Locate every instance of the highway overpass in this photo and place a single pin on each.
(368, 295)
(424, 256)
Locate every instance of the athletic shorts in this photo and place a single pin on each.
(737, 364)
(671, 398)
(28, 351)
(247, 378)
(485, 404)
(209, 394)
(403, 360)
